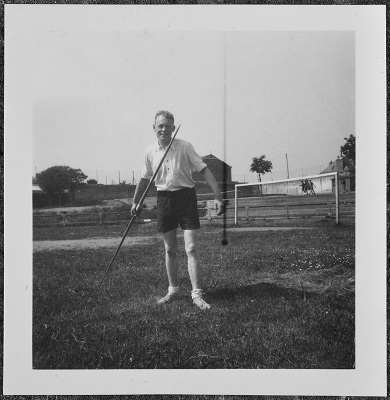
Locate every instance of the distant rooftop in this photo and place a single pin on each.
(340, 165)
(212, 157)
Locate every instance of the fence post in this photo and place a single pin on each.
(101, 215)
(288, 215)
(209, 216)
(63, 215)
(235, 205)
(337, 198)
(209, 205)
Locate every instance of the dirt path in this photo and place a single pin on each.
(104, 203)
(95, 243)
(91, 243)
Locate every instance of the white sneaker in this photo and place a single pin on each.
(201, 304)
(168, 298)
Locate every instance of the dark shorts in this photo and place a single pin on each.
(177, 208)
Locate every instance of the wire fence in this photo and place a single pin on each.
(278, 174)
(112, 177)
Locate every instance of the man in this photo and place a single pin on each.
(176, 202)
(311, 187)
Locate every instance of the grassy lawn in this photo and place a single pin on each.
(281, 299)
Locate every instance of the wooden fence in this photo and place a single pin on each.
(250, 209)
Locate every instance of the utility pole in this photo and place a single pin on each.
(97, 177)
(288, 173)
(119, 172)
(224, 184)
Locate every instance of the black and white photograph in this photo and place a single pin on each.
(195, 200)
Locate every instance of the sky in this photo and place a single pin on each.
(288, 95)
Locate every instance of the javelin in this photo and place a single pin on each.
(140, 204)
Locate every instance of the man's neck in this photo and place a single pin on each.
(164, 146)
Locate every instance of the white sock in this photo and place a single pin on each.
(173, 289)
(196, 293)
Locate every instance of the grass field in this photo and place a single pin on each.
(280, 299)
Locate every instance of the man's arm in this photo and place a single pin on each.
(139, 191)
(210, 179)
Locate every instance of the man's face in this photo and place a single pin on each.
(164, 128)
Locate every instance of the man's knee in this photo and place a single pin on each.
(170, 249)
(170, 243)
(191, 248)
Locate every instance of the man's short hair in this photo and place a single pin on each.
(166, 114)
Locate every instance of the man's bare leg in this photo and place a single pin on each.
(170, 243)
(191, 246)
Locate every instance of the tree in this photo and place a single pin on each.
(261, 166)
(92, 182)
(57, 179)
(349, 148)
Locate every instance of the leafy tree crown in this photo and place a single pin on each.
(57, 179)
(349, 148)
(260, 166)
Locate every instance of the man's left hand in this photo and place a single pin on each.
(220, 207)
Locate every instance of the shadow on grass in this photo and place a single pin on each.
(263, 290)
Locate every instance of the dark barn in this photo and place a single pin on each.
(216, 166)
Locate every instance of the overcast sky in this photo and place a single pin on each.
(95, 91)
